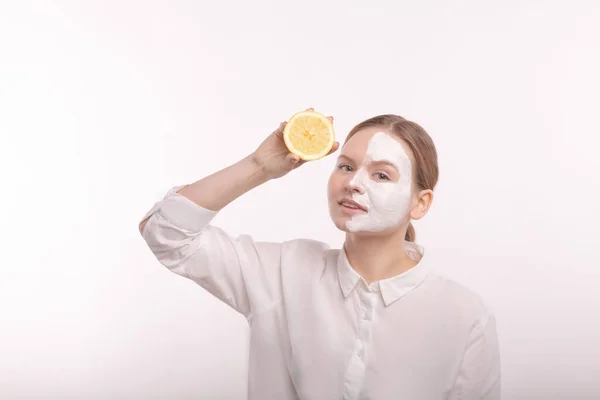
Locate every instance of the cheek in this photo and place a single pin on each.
(390, 196)
(332, 186)
(335, 182)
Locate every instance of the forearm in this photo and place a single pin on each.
(217, 190)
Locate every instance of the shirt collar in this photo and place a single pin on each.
(391, 288)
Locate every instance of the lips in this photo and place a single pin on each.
(352, 204)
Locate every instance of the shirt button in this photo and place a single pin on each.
(366, 314)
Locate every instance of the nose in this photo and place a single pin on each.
(353, 185)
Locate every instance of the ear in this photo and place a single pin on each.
(423, 201)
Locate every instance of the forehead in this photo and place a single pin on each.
(385, 146)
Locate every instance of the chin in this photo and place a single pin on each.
(340, 223)
(366, 233)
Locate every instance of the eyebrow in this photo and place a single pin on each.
(389, 163)
(347, 158)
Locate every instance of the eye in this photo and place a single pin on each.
(382, 176)
(343, 167)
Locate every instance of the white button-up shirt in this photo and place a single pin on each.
(318, 331)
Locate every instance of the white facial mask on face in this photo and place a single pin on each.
(387, 202)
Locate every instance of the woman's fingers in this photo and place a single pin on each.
(336, 146)
(279, 131)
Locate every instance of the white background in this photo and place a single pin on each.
(105, 105)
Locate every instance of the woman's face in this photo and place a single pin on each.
(370, 188)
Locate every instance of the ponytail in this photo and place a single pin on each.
(410, 233)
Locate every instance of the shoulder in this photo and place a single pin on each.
(302, 248)
(307, 259)
(459, 299)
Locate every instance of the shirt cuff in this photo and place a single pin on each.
(183, 212)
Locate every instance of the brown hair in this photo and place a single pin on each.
(425, 171)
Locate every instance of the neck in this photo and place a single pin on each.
(377, 257)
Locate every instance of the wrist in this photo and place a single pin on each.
(256, 168)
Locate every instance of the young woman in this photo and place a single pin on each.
(371, 320)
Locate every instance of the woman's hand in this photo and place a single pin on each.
(274, 157)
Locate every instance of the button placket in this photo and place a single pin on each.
(355, 374)
(367, 301)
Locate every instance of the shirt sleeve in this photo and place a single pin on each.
(237, 270)
(479, 375)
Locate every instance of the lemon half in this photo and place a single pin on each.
(309, 135)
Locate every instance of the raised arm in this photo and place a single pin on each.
(271, 160)
(239, 271)
(219, 189)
